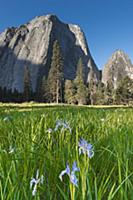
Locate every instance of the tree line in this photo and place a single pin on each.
(55, 88)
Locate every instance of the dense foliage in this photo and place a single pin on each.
(55, 76)
(54, 88)
(27, 84)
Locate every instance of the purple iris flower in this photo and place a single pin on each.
(63, 125)
(70, 173)
(35, 181)
(85, 147)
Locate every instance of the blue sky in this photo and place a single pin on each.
(107, 24)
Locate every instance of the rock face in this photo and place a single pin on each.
(31, 45)
(117, 67)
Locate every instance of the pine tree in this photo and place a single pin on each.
(79, 82)
(44, 89)
(4, 93)
(27, 85)
(109, 93)
(0, 93)
(55, 76)
(100, 94)
(92, 87)
(124, 91)
(70, 92)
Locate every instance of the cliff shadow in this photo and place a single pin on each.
(12, 75)
(12, 65)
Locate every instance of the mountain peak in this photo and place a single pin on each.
(118, 66)
(31, 45)
(119, 53)
(119, 56)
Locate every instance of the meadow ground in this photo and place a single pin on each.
(37, 142)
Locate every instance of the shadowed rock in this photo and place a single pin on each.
(31, 45)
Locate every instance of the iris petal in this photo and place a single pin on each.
(62, 174)
(68, 170)
(73, 179)
(74, 167)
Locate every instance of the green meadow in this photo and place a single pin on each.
(34, 151)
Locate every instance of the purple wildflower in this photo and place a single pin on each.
(85, 147)
(35, 182)
(63, 125)
(70, 173)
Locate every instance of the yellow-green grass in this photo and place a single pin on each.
(108, 129)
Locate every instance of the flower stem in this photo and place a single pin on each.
(72, 191)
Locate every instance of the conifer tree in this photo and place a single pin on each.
(79, 82)
(44, 89)
(100, 94)
(109, 93)
(4, 94)
(124, 91)
(55, 76)
(27, 84)
(92, 87)
(70, 91)
(0, 93)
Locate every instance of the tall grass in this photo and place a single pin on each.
(26, 146)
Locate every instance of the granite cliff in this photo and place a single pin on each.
(118, 66)
(31, 45)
